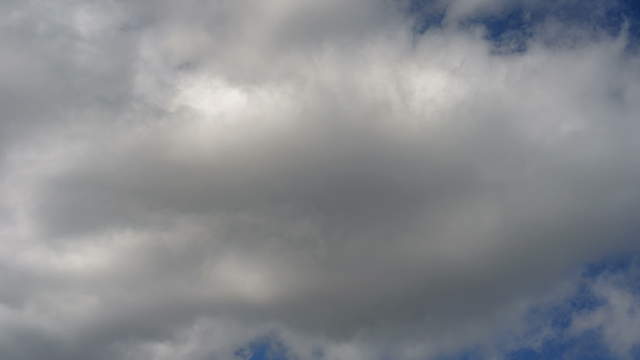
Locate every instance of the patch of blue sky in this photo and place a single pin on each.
(618, 263)
(586, 346)
(427, 14)
(512, 27)
(560, 342)
(267, 347)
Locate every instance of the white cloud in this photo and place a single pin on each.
(618, 319)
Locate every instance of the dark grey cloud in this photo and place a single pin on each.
(178, 170)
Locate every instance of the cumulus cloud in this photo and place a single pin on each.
(174, 173)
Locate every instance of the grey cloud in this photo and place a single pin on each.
(53, 63)
(315, 169)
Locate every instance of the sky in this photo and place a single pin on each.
(319, 180)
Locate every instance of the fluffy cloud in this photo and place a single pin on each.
(173, 173)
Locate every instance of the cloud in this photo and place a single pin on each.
(174, 170)
(618, 318)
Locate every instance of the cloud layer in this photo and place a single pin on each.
(179, 178)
